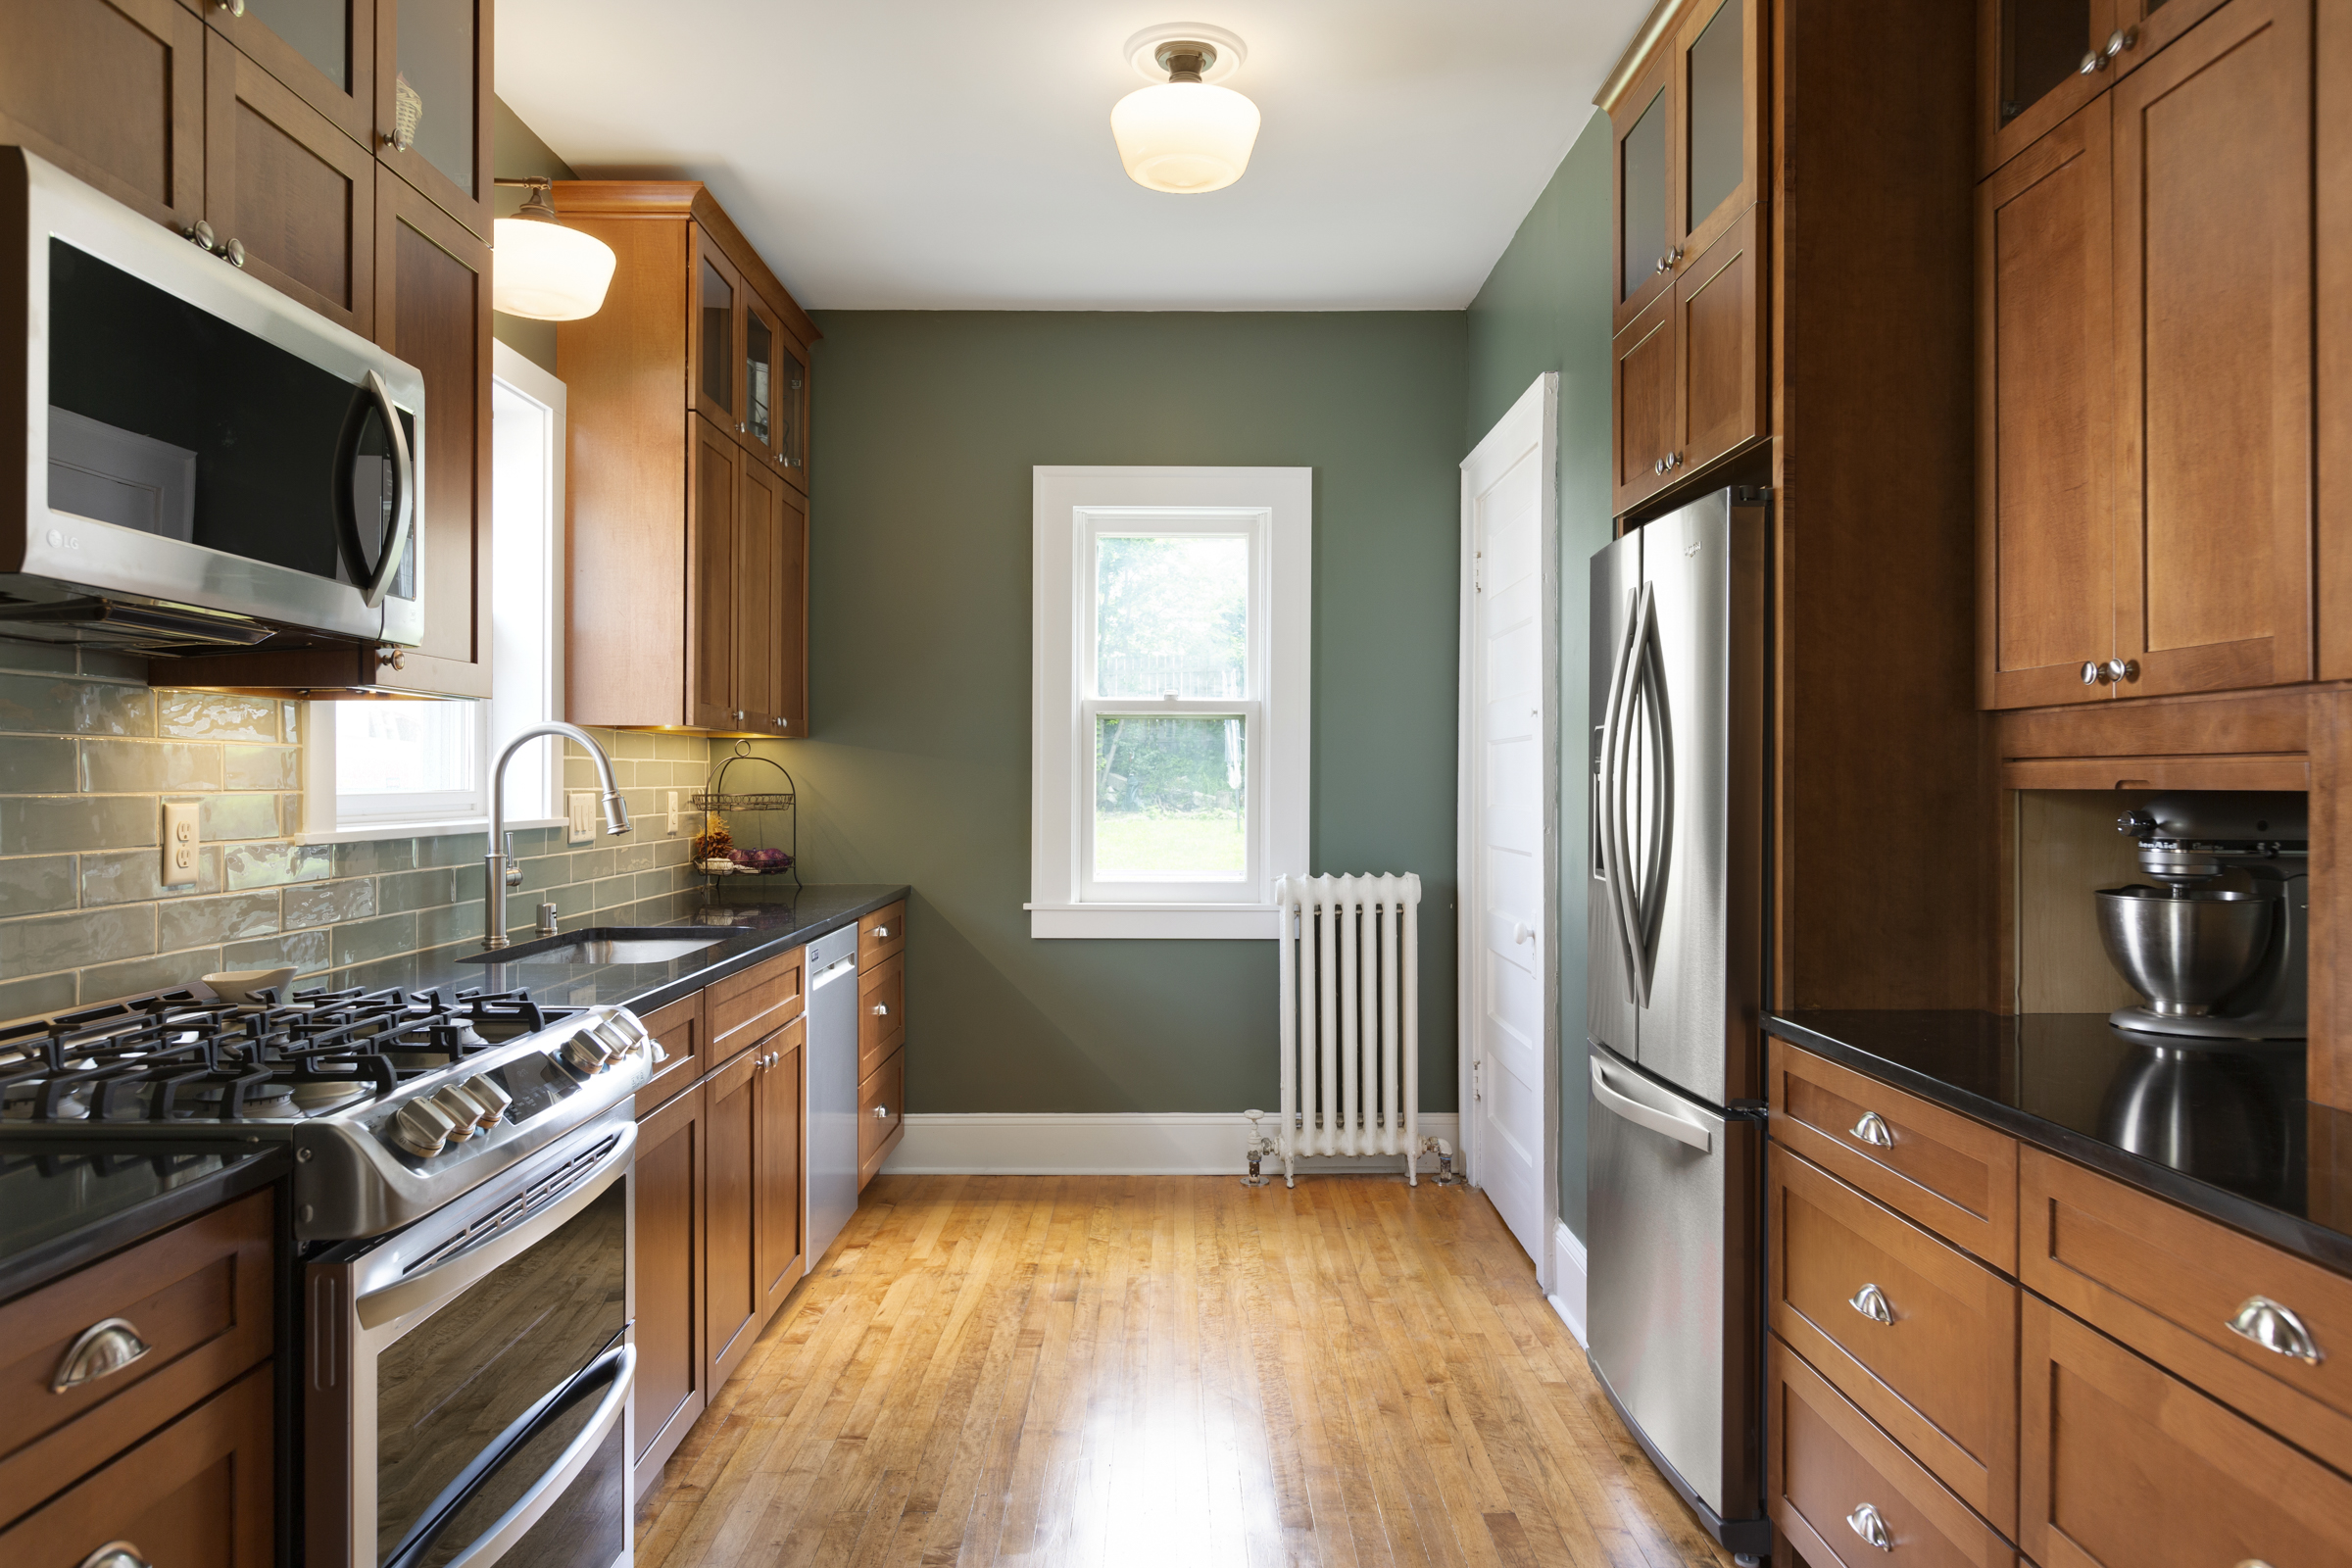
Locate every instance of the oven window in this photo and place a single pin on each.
(166, 418)
(446, 1390)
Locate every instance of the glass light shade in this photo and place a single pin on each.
(547, 272)
(1184, 136)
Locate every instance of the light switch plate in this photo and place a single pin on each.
(583, 816)
(179, 843)
(673, 814)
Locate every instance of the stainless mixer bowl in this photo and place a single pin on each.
(2183, 952)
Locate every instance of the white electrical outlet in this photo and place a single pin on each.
(583, 816)
(179, 843)
(673, 814)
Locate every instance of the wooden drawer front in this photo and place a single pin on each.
(1955, 1176)
(678, 1029)
(881, 934)
(755, 1003)
(2127, 1467)
(1941, 1376)
(880, 1115)
(198, 1294)
(1827, 1461)
(881, 1013)
(2168, 1283)
(196, 1495)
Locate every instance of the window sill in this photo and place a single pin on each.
(1153, 923)
(368, 832)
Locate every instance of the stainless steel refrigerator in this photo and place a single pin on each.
(1675, 975)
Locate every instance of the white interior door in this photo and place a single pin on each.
(1509, 816)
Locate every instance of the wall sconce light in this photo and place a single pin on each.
(1187, 135)
(542, 269)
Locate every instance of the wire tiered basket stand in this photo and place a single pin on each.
(746, 833)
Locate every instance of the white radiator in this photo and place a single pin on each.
(1350, 1017)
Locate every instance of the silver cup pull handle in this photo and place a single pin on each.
(881, 1113)
(1873, 1130)
(99, 1352)
(1871, 1302)
(1865, 1522)
(120, 1553)
(2276, 1329)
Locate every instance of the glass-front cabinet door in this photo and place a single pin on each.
(432, 101)
(715, 336)
(1716, 123)
(776, 390)
(2038, 62)
(1642, 120)
(324, 50)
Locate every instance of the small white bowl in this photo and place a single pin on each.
(239, 984)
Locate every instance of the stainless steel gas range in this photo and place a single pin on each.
(462, 1204)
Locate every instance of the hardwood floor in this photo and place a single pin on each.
(1180, 1370)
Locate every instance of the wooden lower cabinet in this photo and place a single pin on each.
(1920, 1336)
(881, 1115)
(680, 1029)
(779, 1214)
(881, 1013)
(1833, 1479)
(2126, 1467)
(730, 1237)
(673, 1385)
(196, 1495)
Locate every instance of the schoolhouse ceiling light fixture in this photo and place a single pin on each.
(542, 269)
(1185, 135)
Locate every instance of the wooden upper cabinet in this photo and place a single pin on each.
(290, 191)
(432, 84)
(128, 117)
(2213, 323)
(688, 558)
(2047, 541)
(2031, 68)
(1686, 106)
(322, 50)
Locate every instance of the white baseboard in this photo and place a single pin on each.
(1138, 1144)
(1568, 1280)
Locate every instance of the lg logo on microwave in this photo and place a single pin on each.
(59, 539)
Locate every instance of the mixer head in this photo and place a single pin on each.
(2191, 838)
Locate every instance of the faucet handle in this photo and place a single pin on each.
(513, 871)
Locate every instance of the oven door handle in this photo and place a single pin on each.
(375, 585)
(431, 1286)
(617, 1367)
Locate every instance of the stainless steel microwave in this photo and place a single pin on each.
(204, 462)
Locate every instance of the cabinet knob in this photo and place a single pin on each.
(100, 1350)
(2122, 669)
(200, 234)
(2276, 1329)
(1873, 1130)
(780, 723)
(236, 8)
(739, 715)
(234, 253)
(2092, 62)
(881, 1113)
(742, 429)
(121, 1554)
(1866, 1523)
(2094, 673)
(1871, 1302)
(2120, 40)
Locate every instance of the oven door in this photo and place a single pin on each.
(192, 437)
(471, 1376)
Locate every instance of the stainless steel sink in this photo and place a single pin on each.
(602, 946)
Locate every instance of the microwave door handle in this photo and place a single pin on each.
(617, 1367)
(375, 585)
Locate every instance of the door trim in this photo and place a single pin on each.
(1533, 420)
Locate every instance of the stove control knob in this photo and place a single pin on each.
(421, 1127)
(493, 1100)
(585, 1057)
(465, 1113)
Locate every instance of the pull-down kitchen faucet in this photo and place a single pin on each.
(499, 870)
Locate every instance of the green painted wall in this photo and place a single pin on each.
(1545, 307)
(926, 426)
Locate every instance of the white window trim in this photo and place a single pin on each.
(1073, 507)
(322, 802)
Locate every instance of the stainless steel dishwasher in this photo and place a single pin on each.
(832, 1087)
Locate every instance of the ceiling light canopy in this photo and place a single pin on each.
(542, 269)
(1187, 135)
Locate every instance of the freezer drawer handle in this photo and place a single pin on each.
(1873, 1130)
(1871, 1302)
(1866, 1523)
(1649, 1117)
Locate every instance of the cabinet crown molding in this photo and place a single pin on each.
(684, 198)
(1646, 40)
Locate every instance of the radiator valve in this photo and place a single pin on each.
(1445, 1176)
(1259, 1149)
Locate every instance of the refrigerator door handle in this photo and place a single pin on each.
(1632, 926)
(1681, 1129)
(1611, 857)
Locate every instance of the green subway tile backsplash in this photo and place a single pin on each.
(87, 757)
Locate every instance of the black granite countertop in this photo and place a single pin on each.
(2219, 1127)
(62, 1207)
(756, 923)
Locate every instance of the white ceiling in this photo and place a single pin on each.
(946, 153)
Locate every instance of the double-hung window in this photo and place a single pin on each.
(1170, 766)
